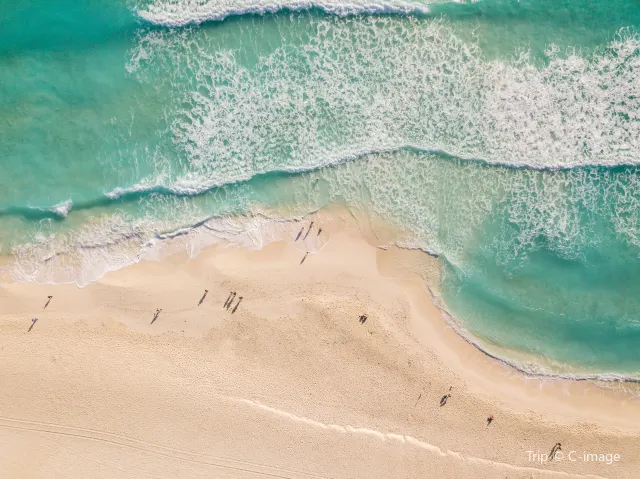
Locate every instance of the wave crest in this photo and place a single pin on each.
(178, 13)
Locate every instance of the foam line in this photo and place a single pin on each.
(189, 188)
(180, 13)
(192, 188)
(57, 212)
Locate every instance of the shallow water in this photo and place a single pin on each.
(502, 136)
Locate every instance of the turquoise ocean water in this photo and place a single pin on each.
(501, 135)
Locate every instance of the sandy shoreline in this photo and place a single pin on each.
(291, 385)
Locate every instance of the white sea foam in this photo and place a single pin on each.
(376, 84)
(111, 242)
(176, 13)
(440, 204)
(62, 209)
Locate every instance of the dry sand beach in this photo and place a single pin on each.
(291, 385)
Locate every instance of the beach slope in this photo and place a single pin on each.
(291, 385)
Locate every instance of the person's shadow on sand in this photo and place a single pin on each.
(554, 451)
(203, 296)
(155, 316)
(237, 304)
(33, 323)
(229, 298)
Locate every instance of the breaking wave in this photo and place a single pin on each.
(178, 13)
(348, 86)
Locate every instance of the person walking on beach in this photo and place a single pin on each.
(203, 296)
(489, 419)
(233, 296)
(228, 299)
(443, 399)
(309, 230)
(48, 301)
(555, 450)
(237, 304)
(319, 231)
(305, 257)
